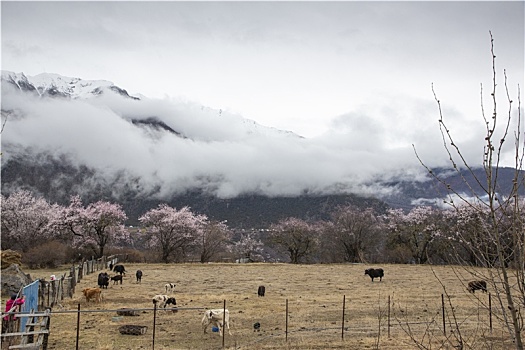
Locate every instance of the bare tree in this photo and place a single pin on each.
(498, 212)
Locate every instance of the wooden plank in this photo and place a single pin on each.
(35, 324)
(44, 331)
(30, 315)
(26, 346)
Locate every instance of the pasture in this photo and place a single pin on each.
(314, 294)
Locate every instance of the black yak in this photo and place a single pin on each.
(120, 269)
(374, 273)
(477, 285)
(103, 280)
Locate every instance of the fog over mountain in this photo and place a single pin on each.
(68, 136)
(168, 146)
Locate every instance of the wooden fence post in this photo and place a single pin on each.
(388, 317)
(286, 329)
(343, 323)
(490, 312)
(443, 313)
(223, 321)
(48, 326)
(154, 322)
(78, 324)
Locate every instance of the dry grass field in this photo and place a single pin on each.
(315, 308)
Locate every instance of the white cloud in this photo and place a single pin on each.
(224, 153)
(353, 77)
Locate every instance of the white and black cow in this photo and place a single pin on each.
(163, 300)
(169, 287)
(216, 317)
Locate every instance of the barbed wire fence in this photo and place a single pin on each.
(158, 328)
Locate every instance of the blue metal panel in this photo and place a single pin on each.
(31, 304)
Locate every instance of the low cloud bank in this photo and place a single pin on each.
(223, 153)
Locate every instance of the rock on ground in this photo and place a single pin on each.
(13, 279)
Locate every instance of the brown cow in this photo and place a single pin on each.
(92, 293)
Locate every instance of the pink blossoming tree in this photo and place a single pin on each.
(416, 230)
(25, 221)
(355, 233)
(172, 231)
(296, 237)
(93, 227)
(212, 239)
(248, 246)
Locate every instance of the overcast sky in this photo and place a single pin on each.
(348, 75)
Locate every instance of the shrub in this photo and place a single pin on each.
(151, 256)
(76, 255)
(398, 255)
(40, 257)
(127, 254)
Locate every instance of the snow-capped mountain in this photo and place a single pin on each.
(65, 136)
(55, 85)
(52, 85)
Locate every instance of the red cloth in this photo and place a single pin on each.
(11, 303)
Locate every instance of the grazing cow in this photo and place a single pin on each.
(374, 273)
(163, 300)
(170, 287)
(215, 318)
(261, 291)
(120, 269)
(477, 285)
(103, 280)
(116, 279)
(139, 276)
(92, 293)
(256, 326)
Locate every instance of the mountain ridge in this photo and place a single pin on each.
(261, 190)
(52, 84)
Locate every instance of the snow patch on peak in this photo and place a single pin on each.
(72, 87)
(58, 85)
(8, 75)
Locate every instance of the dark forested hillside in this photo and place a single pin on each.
(56, 179)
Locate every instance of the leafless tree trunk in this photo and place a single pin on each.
(500, 244)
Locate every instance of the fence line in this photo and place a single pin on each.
(51, 293)
(286, 331)
(42, 294)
